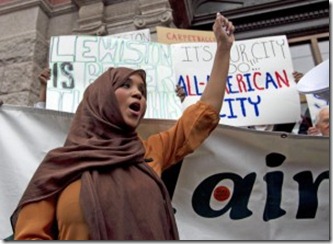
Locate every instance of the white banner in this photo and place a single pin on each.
(260, 87)
(260, 185)
(244, 184)
(27, 134)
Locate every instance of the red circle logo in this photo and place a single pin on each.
(221, 193)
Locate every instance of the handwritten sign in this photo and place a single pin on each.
(76, 61)
(260, 88)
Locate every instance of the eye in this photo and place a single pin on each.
(143, 90)
(126, 84)
(326, 121)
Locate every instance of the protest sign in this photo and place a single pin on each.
(260, 87)
(76, 61)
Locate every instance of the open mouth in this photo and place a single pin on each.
(135, 106)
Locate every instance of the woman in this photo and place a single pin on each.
(104, 183)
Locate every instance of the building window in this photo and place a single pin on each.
(309, 51)
(302, 57)
(324, 49)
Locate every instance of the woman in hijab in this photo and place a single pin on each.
(104, 183)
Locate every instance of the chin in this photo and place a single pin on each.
(133, 124)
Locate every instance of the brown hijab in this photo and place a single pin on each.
(121, 197)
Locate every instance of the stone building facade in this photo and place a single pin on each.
(27, 25)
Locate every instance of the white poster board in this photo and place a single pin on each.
(260, 86)
(76, 61)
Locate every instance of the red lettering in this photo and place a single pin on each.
(280, 79)
(255, 80)
(241, 83)
(189, 86)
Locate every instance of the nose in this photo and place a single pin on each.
(137, 93)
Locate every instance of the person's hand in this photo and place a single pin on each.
(297, 76)
(224, 32)
(180, 92)
(313, 131)
(44, 76)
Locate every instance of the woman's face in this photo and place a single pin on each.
(131, 96)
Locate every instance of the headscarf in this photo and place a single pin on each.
(108, 157)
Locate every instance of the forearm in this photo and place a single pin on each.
(43, 78)
(215, 88)
(42, 94)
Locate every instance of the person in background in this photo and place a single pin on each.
(305, 123)
(297, 76)
(104, 183)
(43, 78)
(180, 92)
(305, 120)
(322, 123)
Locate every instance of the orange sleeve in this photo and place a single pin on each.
(35, 221)
(171, 146)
